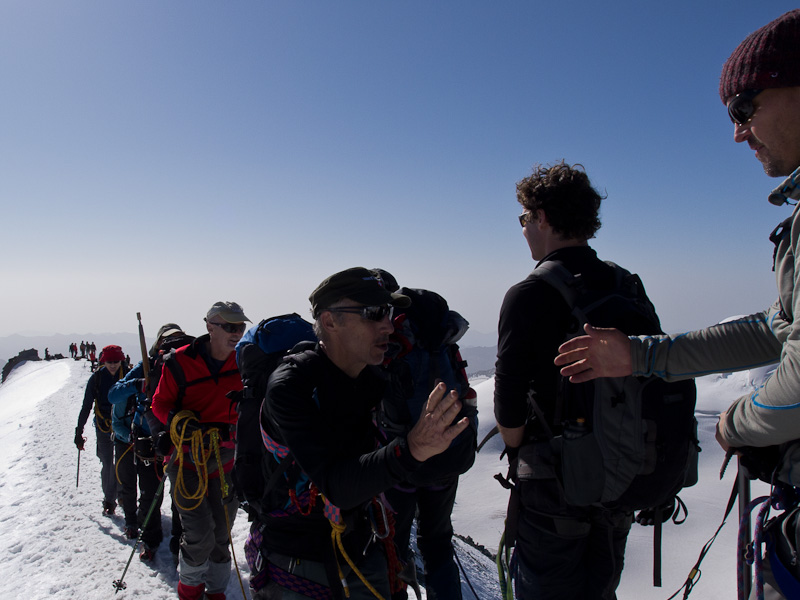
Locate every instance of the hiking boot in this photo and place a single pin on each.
(215, 596)
(131, 533)
(190, 592)
(148, 554)
(109, 508)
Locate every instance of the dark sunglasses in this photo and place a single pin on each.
(370, 313)
(740, 107)
(525, 218)
(230, 327)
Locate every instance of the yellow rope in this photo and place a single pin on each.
(119, 460)
(200, 457)
(337, 529)
(100, 420)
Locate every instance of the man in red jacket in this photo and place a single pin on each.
(191, 399)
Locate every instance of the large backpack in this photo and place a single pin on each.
(626, 443)
(424, 349)
(258, 354)
(157, 361)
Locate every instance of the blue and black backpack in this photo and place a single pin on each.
(424, 350)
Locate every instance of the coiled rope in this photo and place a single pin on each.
(180, 426)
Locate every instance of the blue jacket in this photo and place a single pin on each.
(124, 414)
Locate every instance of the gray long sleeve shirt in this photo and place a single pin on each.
(771, 414)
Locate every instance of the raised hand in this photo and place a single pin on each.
(434, 431)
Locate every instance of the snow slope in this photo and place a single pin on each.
(481, 503)
(56, 544)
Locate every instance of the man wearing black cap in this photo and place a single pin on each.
(760, 84)
(192, 400)
(328, 523)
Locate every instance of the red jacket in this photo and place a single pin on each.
(203, 393)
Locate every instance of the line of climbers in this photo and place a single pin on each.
(348, 451)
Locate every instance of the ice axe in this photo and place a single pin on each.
(143, 345)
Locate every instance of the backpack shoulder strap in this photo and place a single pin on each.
(558, 276)
(175, 369)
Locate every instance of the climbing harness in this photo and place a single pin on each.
(779, 498)
(303, 504)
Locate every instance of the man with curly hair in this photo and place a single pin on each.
(562, 551)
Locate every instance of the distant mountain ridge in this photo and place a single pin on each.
(480, 360)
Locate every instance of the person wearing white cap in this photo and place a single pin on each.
(191, 399)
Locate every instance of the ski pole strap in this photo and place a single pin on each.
(695, 572)
(657, 534)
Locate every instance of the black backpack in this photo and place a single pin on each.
(167, 347)
(157, 361)
(258, 354)
(626, 443)
(422, 350)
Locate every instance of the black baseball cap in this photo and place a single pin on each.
(360, 285)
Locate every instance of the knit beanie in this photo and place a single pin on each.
(111, 354)
(767, 58)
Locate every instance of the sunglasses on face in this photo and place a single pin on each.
(740, 107)
(229, 327)
(370, 313)
(525, 218)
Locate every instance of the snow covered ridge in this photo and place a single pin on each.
(56, 544)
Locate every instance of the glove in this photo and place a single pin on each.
(141, 385)
(79, 439)
(162, 443)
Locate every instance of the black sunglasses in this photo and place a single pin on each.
(370, 313)
(525, 218)
(740, 107)
(230, 327)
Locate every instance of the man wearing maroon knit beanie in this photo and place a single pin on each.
(760, 85)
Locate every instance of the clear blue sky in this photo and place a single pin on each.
(157, 156)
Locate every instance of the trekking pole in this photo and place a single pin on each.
(78, 474)
(743, 484)
(119, 584)
(464, 572)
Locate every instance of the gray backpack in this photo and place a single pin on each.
(626, 443)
